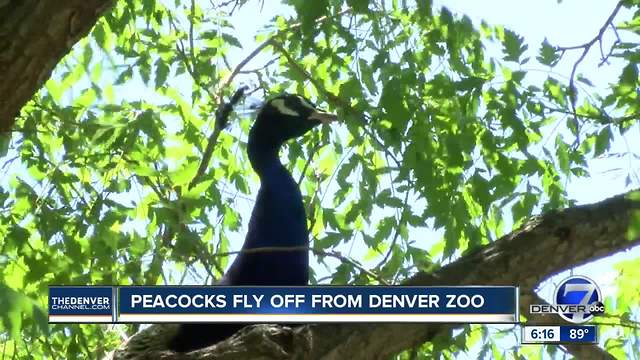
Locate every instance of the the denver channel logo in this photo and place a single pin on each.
(577, 300)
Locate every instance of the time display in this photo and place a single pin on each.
(540, 334)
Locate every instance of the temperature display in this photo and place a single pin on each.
(559, 334)
(579, 334)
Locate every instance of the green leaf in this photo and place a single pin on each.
(329, 240)
(309, 12)
(513, 46)
(184, 175)
(359, 6)
(186, 241)
(547, 54)
(563, 154)
(603, 141)
(124, 76)
(148, 124)
(392, 100)
(197, 191)
(629, 74)
(162, 71)
(470, 83)
(231, 40)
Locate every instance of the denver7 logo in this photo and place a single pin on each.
(581, 298)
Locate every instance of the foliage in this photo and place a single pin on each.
(439, 134)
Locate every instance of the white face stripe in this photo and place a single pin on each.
(282, 107)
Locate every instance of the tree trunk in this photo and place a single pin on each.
(34, 36)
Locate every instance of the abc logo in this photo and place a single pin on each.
(580, 291)
(596, 308)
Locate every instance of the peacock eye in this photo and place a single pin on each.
(282, 107)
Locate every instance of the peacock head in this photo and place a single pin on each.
(287, 116)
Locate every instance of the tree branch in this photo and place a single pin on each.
(222, 120)
(585, 50)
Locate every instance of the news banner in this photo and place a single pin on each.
(327, 304)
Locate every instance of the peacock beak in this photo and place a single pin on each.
(323, 117)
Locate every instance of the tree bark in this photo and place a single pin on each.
(546, 245)
(34, 36)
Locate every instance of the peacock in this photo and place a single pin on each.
(278, 218)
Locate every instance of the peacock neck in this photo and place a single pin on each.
(279, 211)
(265, 160)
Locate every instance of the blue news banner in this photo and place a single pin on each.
(264, 304)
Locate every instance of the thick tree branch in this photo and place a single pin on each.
(546, 245)
(34, 36)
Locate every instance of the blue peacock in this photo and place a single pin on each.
(278, 218)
